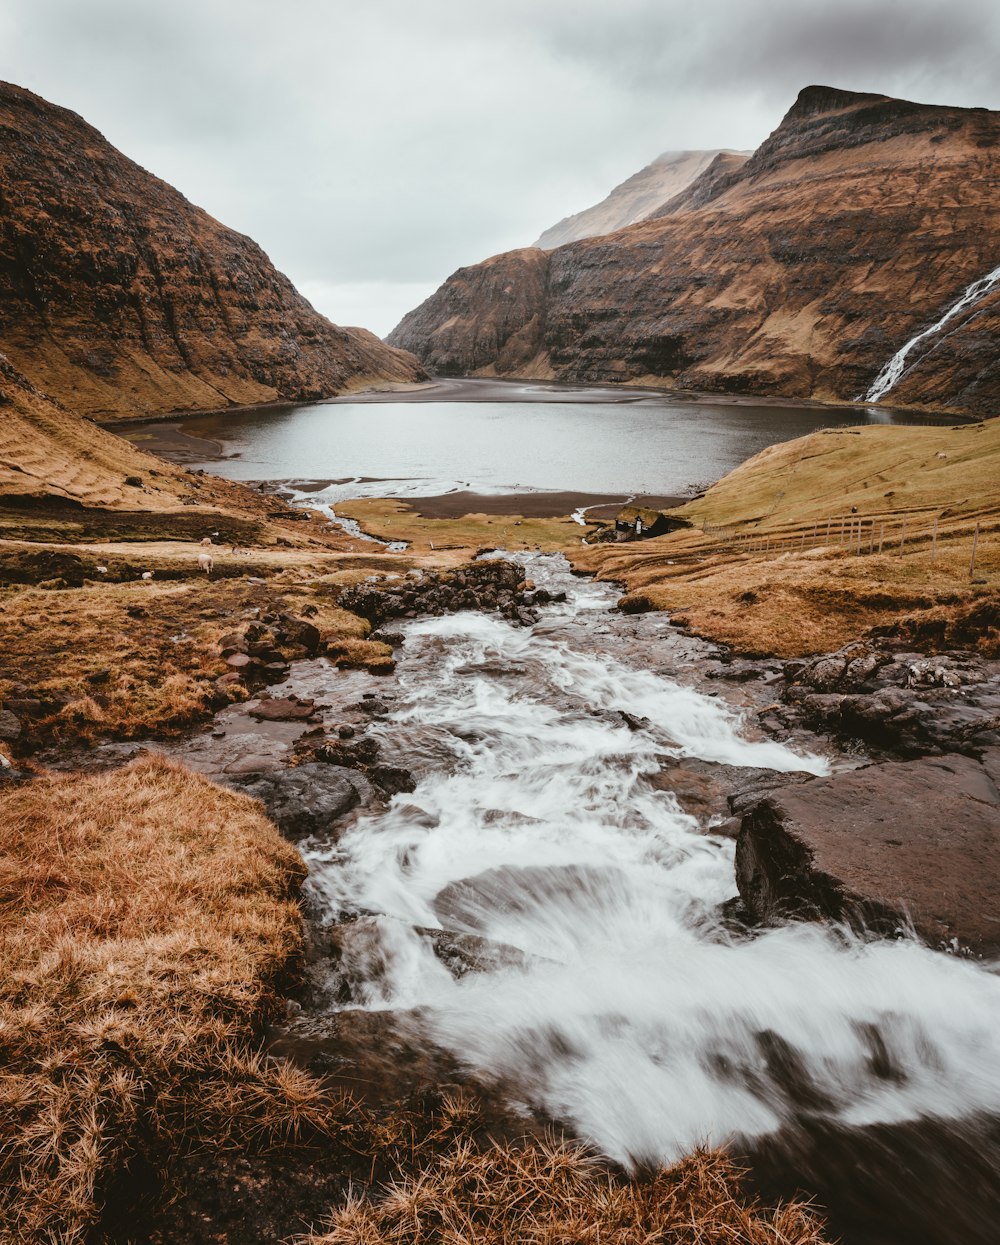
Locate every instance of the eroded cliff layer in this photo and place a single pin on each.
(854, 226)
(119, 298)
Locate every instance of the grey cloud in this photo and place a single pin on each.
(376, 147)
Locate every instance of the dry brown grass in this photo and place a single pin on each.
(114, 659)
(147, 919)
(133, 660)
(555, 1193)
(396, 520)
(785, 586)
(364, 654)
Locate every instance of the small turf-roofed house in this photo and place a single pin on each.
(638, 522)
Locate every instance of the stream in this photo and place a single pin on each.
(616, 996)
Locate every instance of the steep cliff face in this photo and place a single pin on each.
(639, 197)
(854, 226)
(119, 298)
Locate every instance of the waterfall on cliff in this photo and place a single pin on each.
(890, 375)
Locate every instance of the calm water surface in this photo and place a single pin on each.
(593, 441)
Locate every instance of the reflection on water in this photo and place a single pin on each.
(650, 444)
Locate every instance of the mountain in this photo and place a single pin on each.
(119, 298)
(641, 196)
(858, 224)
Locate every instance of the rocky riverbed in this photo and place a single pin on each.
(616, 878)
(521, 840)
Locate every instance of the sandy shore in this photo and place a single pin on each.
(532, 505)
(480, 389)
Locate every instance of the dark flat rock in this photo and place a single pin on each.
(875, 847)
(305, 799)
(282, 709)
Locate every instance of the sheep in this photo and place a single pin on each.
(206, 562)
(101, 570)
(147, 575)
(206, 540)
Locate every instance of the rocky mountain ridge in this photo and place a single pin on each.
(639, 197)
(852, 228)
(119, 298)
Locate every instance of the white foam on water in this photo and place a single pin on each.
(631, 1013)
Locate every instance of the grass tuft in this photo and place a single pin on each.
(146, 920)
(553, 1192)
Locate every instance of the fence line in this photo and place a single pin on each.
(856, 532)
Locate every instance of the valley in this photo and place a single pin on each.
(535, 778)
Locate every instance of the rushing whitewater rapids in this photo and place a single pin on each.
(612, 994)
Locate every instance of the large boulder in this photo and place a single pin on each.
(305, 799)
(879, 847)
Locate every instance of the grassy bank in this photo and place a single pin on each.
(148, 920)
(814, 541)
(396, 520)
(134, 658)
(558, 1193)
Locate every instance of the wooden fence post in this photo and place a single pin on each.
(934, 540)
(881, 535)
(975, 542)
(902, 538)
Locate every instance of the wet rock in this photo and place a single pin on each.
(380, 1056)
(740, 672)
(283, 709)
(353, 756)
(392, 779)
(297, 631)
(10, 726)
(878, 847)
(846, 670)
(306, 799)
(707, 788)
(633, 721)
(462, 954)
(727, 829)
(372, 706)
(393, 638)
(901, 704)
(932, 674)
(488, 585)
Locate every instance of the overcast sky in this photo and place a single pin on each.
(373, 146)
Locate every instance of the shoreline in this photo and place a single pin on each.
(445, 389)
(536, 504)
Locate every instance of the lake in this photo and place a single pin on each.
(493, 437)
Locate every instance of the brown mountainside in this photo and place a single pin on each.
(58, 469)
(120, 298)
(640, 196)
(853, 227)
